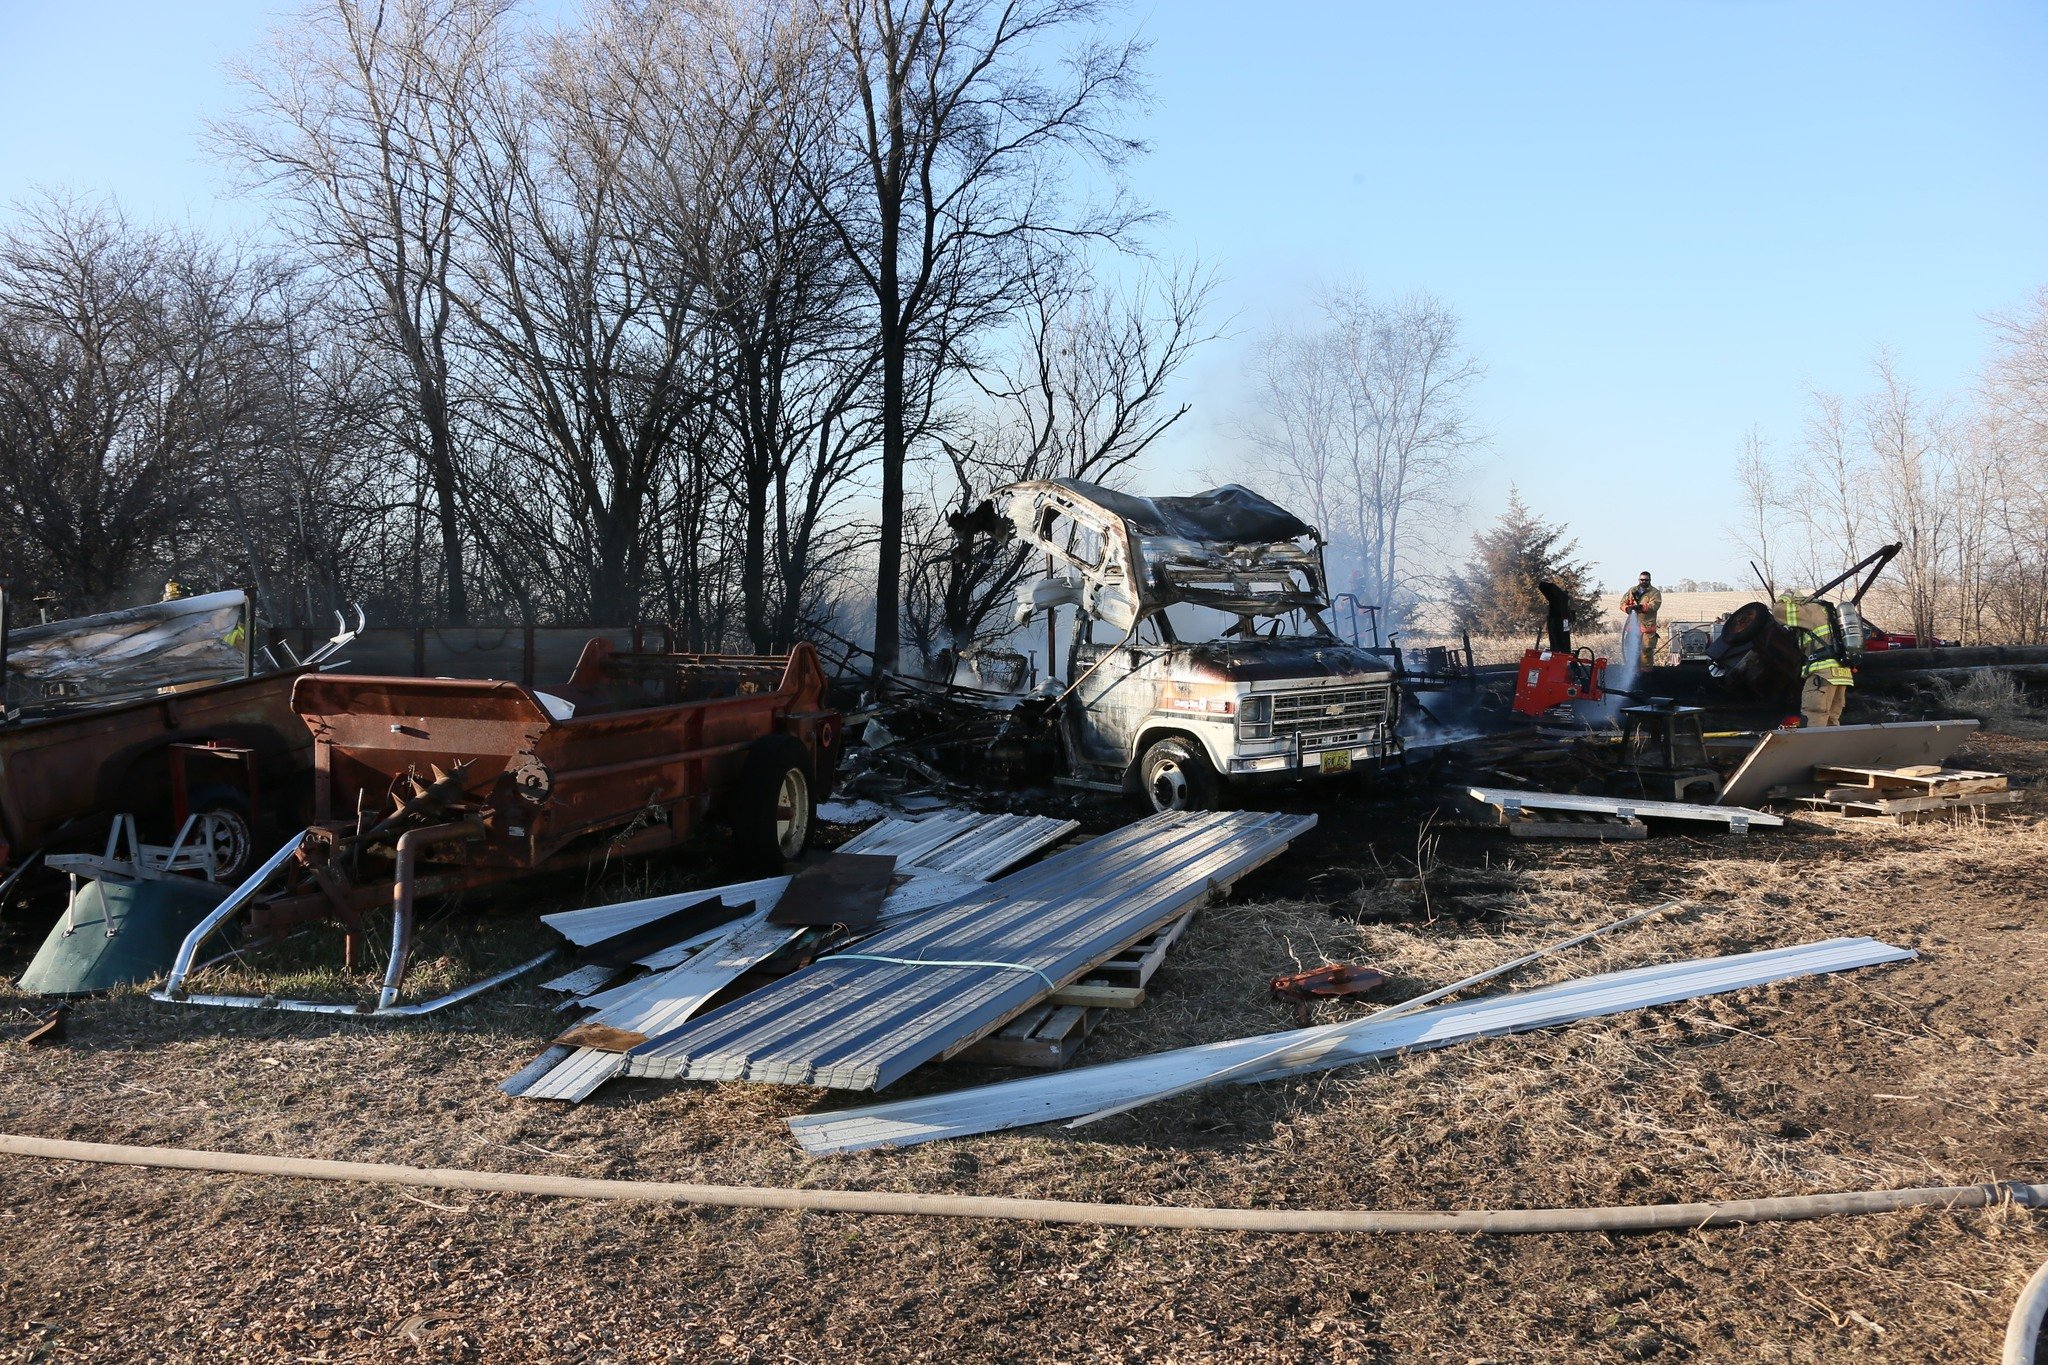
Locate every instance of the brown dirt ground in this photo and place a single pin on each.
(1925, 1072)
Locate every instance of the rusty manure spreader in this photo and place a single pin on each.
(424, 786)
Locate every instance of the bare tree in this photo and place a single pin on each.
(1828, 495)
(1759, 532)
(2011, 449)
(957, 114)
(133, 383)
(583, 333)
(1362, 419)
(741, 153)
(356, 121)
(1911, 486)
(2016, 381)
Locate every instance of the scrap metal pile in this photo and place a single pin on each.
(850, 977)
(883, 973)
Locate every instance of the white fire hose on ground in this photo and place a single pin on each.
(2029, 1316)
(1617, 1218)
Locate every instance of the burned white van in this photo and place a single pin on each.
(1201, 653)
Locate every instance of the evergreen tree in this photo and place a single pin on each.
(1495, 594)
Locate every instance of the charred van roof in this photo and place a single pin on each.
(1230, 515)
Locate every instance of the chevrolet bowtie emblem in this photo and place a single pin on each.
(1334, 709)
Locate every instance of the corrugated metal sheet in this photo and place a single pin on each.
(909, 840)
(997, 843)
(850, 1022)
(965, 844)
(1068, 1094)
(1613, 805)
(668, 997)
(600, 922)
(576, 1077)
(594, 976)
(657, 1003)
(522, 1080)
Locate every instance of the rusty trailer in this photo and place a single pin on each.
(424, 786)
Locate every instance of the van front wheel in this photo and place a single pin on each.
(1174, 774)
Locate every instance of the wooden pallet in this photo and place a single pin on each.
(1533, 822)
(1859, 784)
(1045, 1037)
(1119, 984)
(1845, 802)
(1572, 824)
(1909, 794)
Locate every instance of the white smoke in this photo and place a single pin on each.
(1621, 674)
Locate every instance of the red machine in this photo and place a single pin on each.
(1550, 678)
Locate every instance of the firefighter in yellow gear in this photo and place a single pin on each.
(1824, 679)
(1643, 602)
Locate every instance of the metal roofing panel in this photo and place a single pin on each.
(965, 843)
(1613, 805)
(1067, 1094)
(998, 843)
(909, 840)
(666, 999)
(575, 1077)
(855, 1022)
(593, 976)
(600, 922)
(523, 1079)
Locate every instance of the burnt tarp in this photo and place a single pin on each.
(117, 655)
(1230, 515)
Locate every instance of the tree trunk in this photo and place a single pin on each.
(451, 534)
(889, 554)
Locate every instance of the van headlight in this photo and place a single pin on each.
(1255, 718)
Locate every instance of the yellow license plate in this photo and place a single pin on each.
(1337, 761)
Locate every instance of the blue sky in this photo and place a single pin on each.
(1660, 221)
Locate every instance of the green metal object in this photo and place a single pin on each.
(147, 920)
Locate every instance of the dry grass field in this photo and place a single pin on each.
(1924, 1072)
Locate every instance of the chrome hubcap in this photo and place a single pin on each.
(1169, 787)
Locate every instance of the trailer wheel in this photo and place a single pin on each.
(1174, 774)
(234, 840)
(774, 804)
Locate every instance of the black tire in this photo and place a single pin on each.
(236, 842)
(1745, 624)
(774, 805)
(1174, 774)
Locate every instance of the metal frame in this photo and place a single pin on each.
(173, 990)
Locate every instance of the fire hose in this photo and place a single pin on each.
(1614, 1218)
(2029, 1316)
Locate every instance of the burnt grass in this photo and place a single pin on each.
(1927, 1072)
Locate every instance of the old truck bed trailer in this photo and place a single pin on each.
(63, 775)
(156, 711)
(429, 785)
